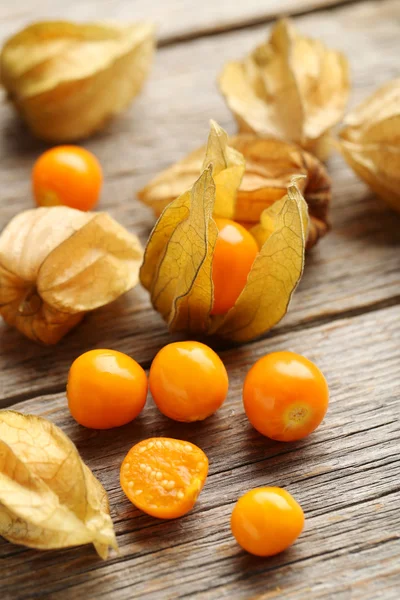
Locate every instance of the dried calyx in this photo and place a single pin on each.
(49, 498)
(369, 141)
(58, 263)
(67, 79)
(291, 87)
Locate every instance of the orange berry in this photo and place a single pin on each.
(234, 255)
(67, 175)
(266, 521)
(106, 389)
(285, 396)
(163, 477)
(188, 381)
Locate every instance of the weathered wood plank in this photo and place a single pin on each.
(176, 19)
(355, 267)
(345, 476)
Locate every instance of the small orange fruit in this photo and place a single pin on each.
(285, 396)
(188, 381)
(67, 175)
(163, 477)
(266, 521)
(106, 389)
(234, 255)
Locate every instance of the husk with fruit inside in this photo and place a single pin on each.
(177, 267)
(58, 263)
(68, 79)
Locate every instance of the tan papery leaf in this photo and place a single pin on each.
(291, 87)
(270, 165)
(58, 263)
(370, 142)
(48, 497)
(67, 79)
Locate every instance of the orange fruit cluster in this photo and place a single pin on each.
(285, 397)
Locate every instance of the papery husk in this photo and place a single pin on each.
(291, 87)
(177, 266)
(58, 263)
(370, 142)
(269, 167)
(68, 79)
(49, 498)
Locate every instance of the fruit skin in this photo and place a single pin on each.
(106, 389)
(163, 477)
(285, 396)
(233, 257)
(188, 381)
(266, 521)
(67, 175)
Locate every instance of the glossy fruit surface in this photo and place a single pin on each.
(188, 381)
(67, 175)
(233, 257)
(106, 389)
(266, 521)
(285, 396)
(163, 477)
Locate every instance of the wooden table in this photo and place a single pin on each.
(345, 316)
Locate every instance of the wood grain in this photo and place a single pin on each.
(356, 267)
(345, 316)
(346, 477)
(175, 19)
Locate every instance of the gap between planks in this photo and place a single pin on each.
(176, 23)
(265, 18)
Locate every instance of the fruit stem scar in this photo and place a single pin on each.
(297, 414)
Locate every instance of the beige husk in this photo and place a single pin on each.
(291, 87)
(67, 79)
(58, 263)
(48, 497)
(370, 142)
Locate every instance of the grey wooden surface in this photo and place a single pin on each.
(345, 316)
(176, 20)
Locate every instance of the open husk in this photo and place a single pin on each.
(67, 79)
(177, 266)
(49, 498)
(58, 263)
(260, 179)
(369, 141)
(291, 87)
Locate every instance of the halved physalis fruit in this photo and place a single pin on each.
(163, 477)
